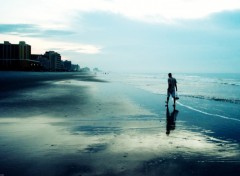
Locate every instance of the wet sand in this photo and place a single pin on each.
(78, 124)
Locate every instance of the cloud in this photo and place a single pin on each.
(152, 10)
(32, 30)
(40, 45)
(188, 45)
(79, 48)
(110, 34)
(47, 37)
(47, 12)
(18, 28)
(227, 19)
(70, 47)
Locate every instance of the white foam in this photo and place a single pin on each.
(210, 114)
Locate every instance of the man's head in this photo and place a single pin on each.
(169, 75)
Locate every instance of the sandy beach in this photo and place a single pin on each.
(75, 124)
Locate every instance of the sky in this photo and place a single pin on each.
(200, 36)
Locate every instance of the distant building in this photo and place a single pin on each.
(16, 57)
(75, 67)
(67, 65)
(96, 70)
(55, 60)
(44, 62)
(85, 69)
(19, 57)
(24, 50)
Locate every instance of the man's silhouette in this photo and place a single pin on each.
(172, 88)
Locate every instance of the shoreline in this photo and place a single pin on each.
(15, 81)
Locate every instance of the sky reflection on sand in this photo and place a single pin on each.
(49, 143)
(147, 138)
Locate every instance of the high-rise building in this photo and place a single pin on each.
(24, 50)
(43, 61)
(55, 60)
(67, 65)
(21, 51)
(16, 57)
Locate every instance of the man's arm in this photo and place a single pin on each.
(168, 84)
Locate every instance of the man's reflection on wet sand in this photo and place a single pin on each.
(171, 120)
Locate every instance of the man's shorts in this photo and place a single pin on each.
(172, 93)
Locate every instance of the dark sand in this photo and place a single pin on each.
(72, 124)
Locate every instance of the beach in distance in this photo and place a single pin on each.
(97, 124)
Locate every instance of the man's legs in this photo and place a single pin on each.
(167, 100)
(174, 98)
(168, 95)
(174, 102)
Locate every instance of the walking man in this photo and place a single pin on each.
(172, 88)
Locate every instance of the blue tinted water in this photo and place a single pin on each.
(218, 87)
(208, 101)
(213, 94)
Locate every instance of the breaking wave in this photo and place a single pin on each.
(235, 101)
(210, 114)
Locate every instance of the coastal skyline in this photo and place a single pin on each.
(138, 36)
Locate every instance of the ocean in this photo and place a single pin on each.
(215, 96)
(217, 87)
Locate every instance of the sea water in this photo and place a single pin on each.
(218, 87)
(207, 101)
(213, 94)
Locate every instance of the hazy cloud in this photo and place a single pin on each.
(46, 12)
(32, 30)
